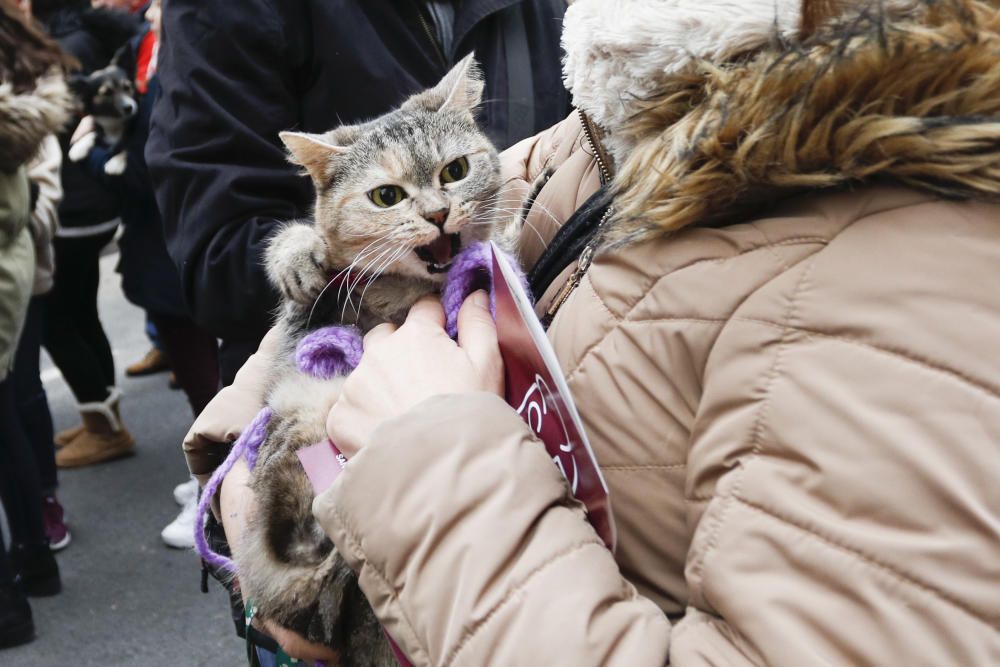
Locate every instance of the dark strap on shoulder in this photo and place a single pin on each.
(568, 242)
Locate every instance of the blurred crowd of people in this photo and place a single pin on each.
(107, 51)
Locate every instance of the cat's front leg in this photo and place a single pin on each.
(297, 263)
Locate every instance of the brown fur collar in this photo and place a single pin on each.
(26, 118)
(913, 101)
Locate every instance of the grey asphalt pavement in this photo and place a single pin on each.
(127, 599)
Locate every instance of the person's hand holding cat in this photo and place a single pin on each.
(405, 366)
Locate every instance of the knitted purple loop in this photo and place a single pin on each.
(471, 271)
(329, 352)
(247, 444)
(255, 433)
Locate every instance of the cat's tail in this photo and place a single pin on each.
(245, 446)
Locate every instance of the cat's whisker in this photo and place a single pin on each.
(376, 260)
(319, 297)
(360, 276)
(536, 205)
(524, 222)
(366, 251)
(402, 250)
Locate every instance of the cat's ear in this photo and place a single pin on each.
(461, 89)
(312, 151)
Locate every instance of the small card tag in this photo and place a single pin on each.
(323, 464)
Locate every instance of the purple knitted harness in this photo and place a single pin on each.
(336, 350)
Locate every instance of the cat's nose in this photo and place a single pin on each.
(437, 217)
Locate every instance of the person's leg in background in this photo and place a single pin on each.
(155, 360)
(68, 331)
(194, 357)
(34, 565)
(16, 624)
(87, 311)
(33, 410)
(79, 347)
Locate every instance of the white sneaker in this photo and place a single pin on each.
(179, 533)
(185, 491)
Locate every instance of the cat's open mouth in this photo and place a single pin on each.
(438, 253)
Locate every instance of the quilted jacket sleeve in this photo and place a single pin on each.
(503, 568)
(207, 443)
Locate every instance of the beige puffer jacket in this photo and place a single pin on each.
(784, 356)
(44, 172)
(26, 117)
(797, 410)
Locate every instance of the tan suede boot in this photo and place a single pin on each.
(104, 437)
(63, 438)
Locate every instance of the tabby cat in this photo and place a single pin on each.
(397, 198)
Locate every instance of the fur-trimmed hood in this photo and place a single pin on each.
(895, 92)
(26, 118)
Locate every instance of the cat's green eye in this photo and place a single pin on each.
(455, 170)
(385, 196)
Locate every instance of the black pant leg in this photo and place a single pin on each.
(19, 487)
(73, 333)
(93, 329)
(32, 402)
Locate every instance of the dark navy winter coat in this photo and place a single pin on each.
(150, 279)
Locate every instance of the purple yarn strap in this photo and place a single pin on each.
(330, 351)
(248, 445)
(471, 271)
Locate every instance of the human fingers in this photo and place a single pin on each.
(345, 427)
(84, 127)
(477, 336)
(296, 646)
(378, 333)
(427, 311)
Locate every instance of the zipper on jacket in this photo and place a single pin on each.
(603, 164)
(586, 257)
(429, 33)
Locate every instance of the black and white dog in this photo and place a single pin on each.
(107, 95)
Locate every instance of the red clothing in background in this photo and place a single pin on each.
(143, 61)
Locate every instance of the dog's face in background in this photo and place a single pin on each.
(107, 94)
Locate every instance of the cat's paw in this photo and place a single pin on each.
(115, 166)
(297, 263)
